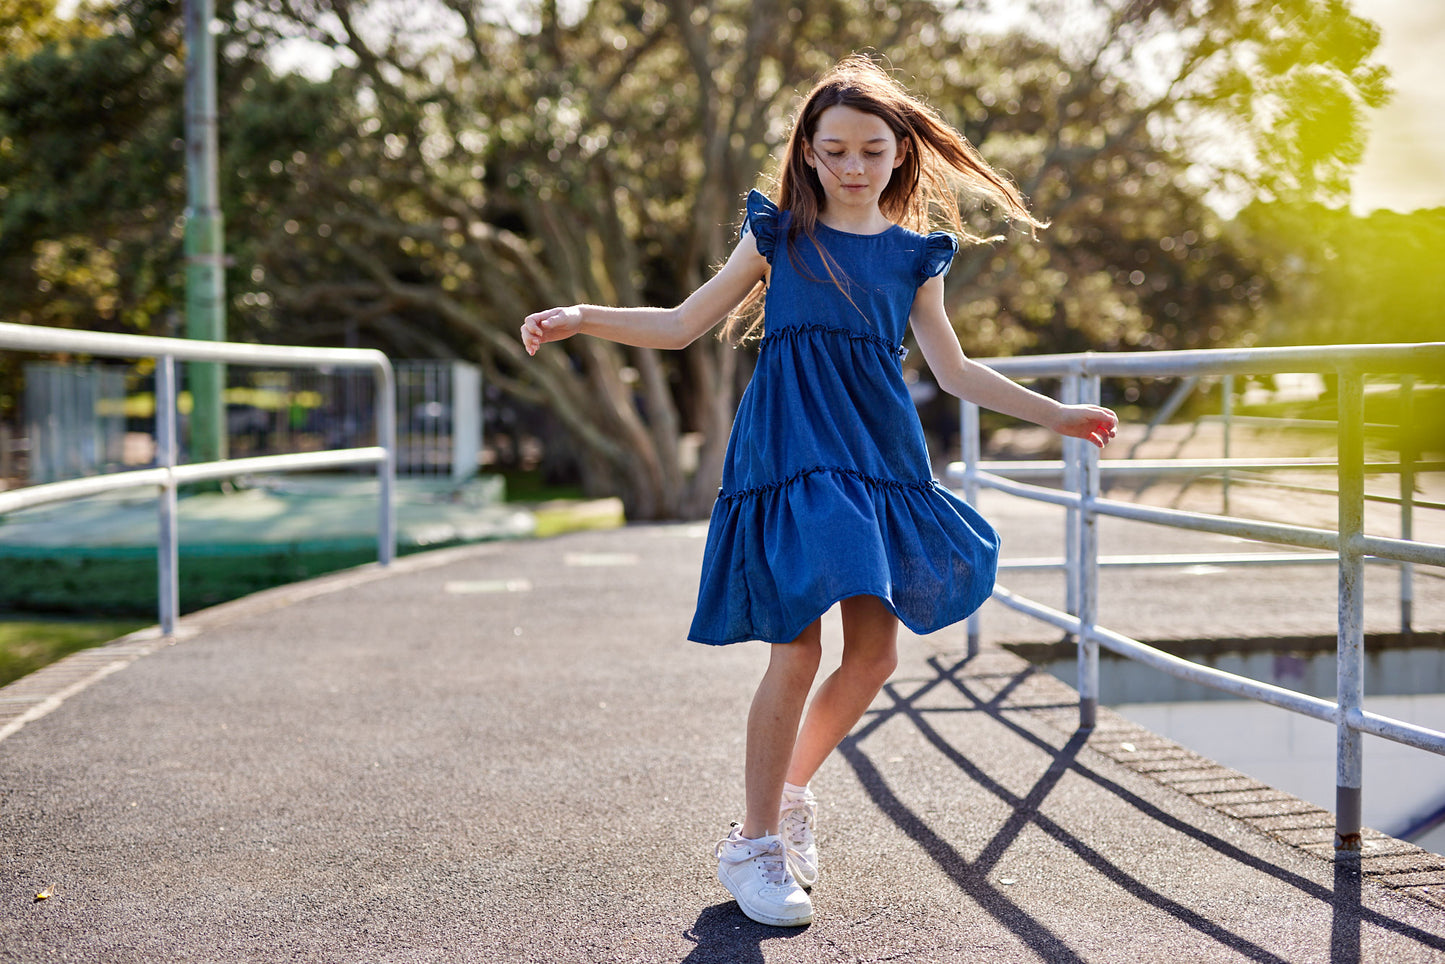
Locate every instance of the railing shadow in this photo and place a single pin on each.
(971, 876)
(1348, 914)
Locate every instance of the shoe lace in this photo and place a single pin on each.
(796, 821)
(771, 858)
(774, 864)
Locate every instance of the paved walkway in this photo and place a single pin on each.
(510, 753)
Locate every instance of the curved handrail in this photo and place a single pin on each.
(167, 475)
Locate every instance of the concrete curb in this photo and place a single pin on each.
(1396, 864)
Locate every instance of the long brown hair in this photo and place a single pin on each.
(938, 165)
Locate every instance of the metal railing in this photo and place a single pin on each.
(1349, 545)
(167, 475)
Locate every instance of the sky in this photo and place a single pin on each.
(1404, 164)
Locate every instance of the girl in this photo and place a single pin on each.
(827, 494)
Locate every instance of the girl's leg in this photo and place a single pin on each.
(870, 654)
(773, 726)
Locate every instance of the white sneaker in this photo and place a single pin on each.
(756, 873)
(797, 821)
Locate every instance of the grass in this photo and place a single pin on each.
(560, 508)
(566, 515)
(528, 486)
(28, 644)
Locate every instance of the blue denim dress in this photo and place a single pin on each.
(827, 489)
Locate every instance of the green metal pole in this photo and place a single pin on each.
(205, 236)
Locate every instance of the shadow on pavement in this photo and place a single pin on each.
(724, 935)
(1344, 898)
(1345, 927)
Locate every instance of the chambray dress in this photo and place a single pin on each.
(827, 489)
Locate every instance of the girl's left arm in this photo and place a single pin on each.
(968, 380)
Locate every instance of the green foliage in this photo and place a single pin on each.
(93, 168)
(29, 644)
(88, 130)
(1128, 125)
(122, 582)
(92, 172)
(27, 26)
(474, 161)
(1341, 278)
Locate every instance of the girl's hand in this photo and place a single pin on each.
(1091, 422)
(554, 324)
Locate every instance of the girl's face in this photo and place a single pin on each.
(854, 154)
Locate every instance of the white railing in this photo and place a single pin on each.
(1348, 545)
(167, 475)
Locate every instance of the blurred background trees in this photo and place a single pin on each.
(455, 164)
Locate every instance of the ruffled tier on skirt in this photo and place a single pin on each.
(780, 555)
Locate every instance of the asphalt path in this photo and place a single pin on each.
(510, 752)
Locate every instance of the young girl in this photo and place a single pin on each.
(827, 493)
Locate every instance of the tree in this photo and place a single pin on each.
(613, 150)
(1346, 278)
(567, 161)
(1130, 125)
(27, 26)
(68, 117)
(92, 168)
(468, 162)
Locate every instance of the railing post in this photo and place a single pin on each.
(1073, 482)
(1088, 564)
(167, 541)
(386, 469)
(1350, 652)
(972, 444)
(1407, 501)
(1226, 392)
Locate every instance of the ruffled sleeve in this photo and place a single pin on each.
(761, 222)
(938, 251)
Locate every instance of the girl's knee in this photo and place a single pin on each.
(802, 655)
(880, 663)
(870, 635)
(872, 664)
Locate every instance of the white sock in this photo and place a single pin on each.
(796, 791)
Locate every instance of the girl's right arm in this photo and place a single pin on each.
(656, 327)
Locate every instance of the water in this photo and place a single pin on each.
(1403, 786)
